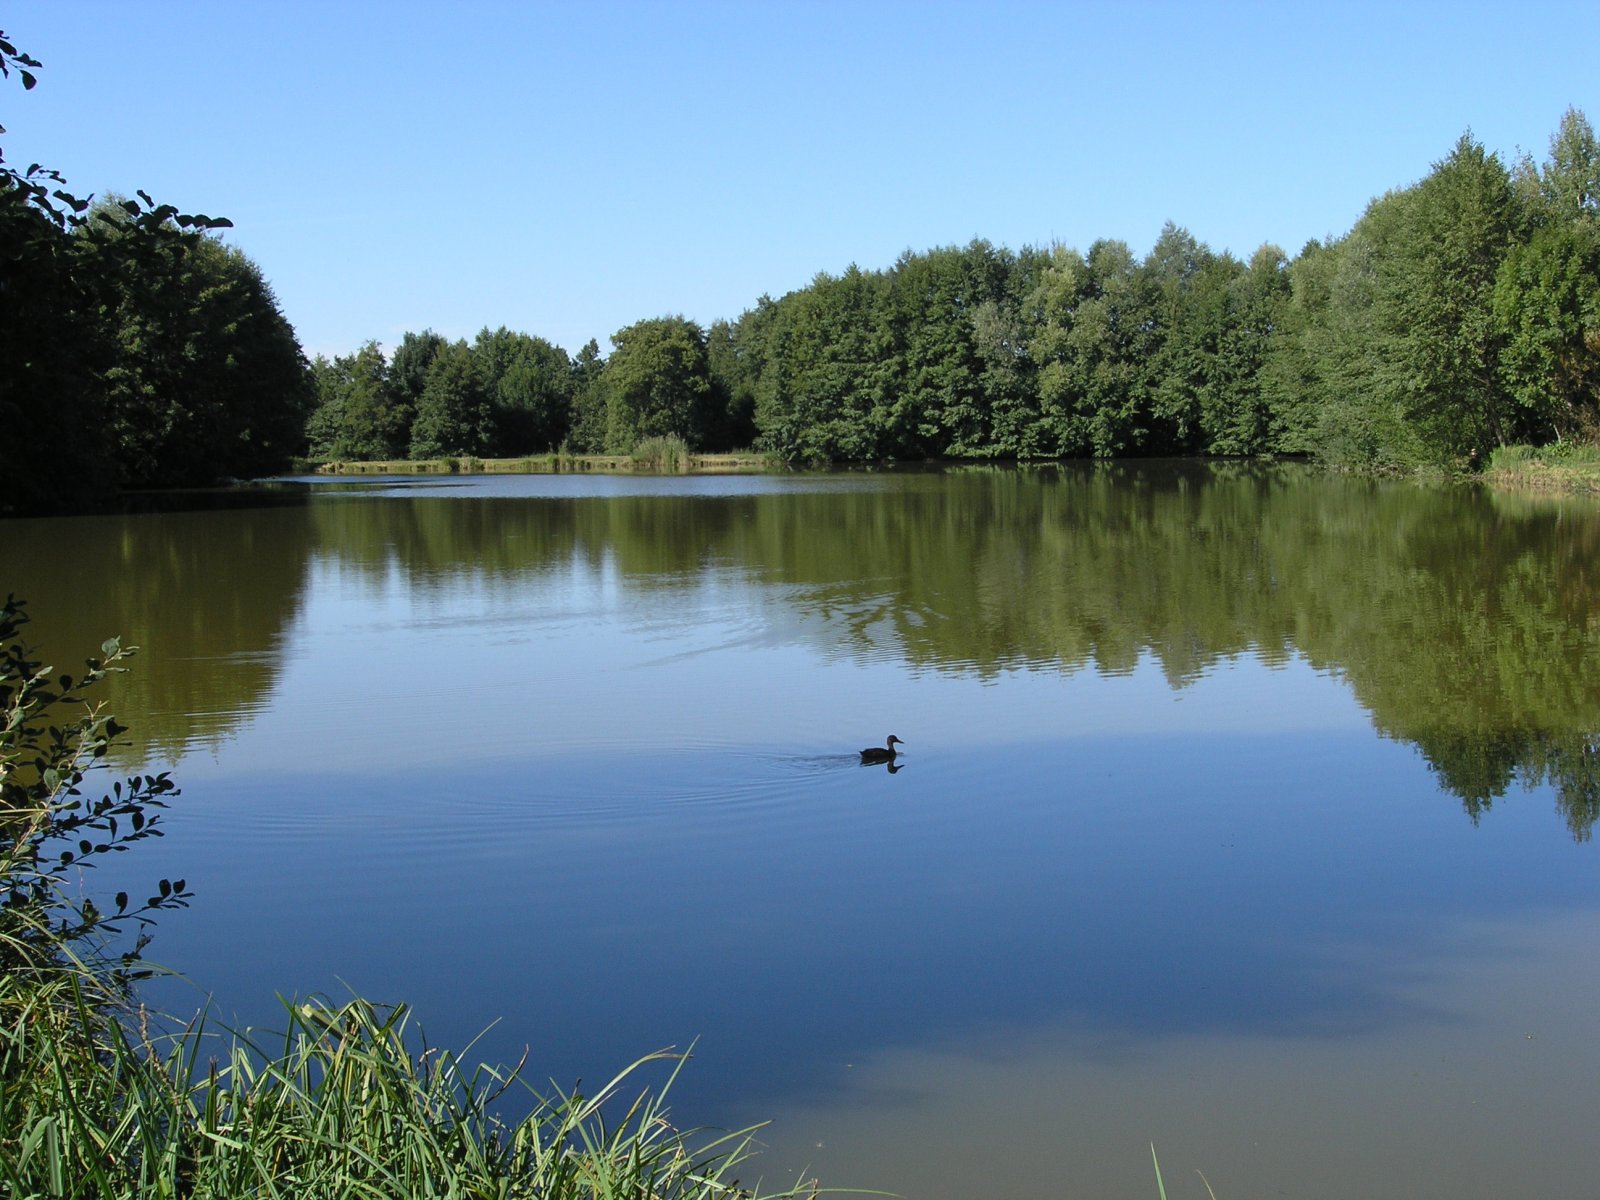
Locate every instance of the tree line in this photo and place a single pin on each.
(1458, 314)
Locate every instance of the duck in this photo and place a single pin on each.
(882, 754)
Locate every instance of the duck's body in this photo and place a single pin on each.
(882, 754)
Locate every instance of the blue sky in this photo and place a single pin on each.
(566, 169)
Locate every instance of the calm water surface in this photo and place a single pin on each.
(1247, 812)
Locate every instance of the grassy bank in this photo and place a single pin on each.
(96, 1100)
(1561, 468)
(650, 459)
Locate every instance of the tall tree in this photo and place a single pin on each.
(134, 350)
(356, 416)
(1236, 414)
(529, 384)
(587, 433)
(827, 382)
(1570, 181)
(1547, 304)
(454, 413)
(203, 377)
(1435, 299)
(659, 383)
(735, 353)
(407, 376)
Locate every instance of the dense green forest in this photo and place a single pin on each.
(1459, 314)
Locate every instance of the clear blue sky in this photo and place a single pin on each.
(566, 169)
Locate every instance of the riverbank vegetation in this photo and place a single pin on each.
(96, 1101)
(1458, 316)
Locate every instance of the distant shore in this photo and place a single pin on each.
(553, 464)
(1563, 470)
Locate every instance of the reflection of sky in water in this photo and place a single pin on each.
(612, 811)
(574, 657)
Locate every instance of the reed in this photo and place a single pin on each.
(347, 1103)
(669, 454)
(1161, 1187)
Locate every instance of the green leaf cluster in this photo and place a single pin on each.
(51, 739)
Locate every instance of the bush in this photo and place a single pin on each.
(668, 454)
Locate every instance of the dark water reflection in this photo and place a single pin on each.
(1283, 778)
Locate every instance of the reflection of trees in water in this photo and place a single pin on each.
(206, 596)
(1466, 626)
(1478, 766)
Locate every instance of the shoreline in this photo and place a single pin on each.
(554, 463)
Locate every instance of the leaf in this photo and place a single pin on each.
(28, 79)
(122, 901)
(111, 646)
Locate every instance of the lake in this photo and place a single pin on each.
(1243, 810)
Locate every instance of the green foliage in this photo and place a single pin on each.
(203, 377)
(664, 454)
(348, 1103)
(1569, 185)
(730, 356)
(134, 349)
(1547, 305)
(454, 412)
(360, 413)
(1435, 301)
(825, 384)
(57, 946)
(590, 402)
(658, 382)
(529, 384)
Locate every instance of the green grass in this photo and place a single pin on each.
(1561, 467)
(347, 1103)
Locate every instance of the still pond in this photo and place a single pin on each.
(1244, 811)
